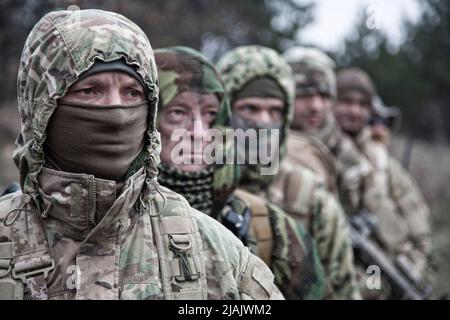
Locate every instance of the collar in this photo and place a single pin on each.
(77, 204)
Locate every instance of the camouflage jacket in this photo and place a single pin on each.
(240, 66)
(298, 192)
(354, 171)
(405, 229)
(149, 241)
(282, 243)
(128, 254)
(272, 235)
(309, 152)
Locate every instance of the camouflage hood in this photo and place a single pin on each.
(313, 71)
(185, 69)
(61, 46)
(241, 65)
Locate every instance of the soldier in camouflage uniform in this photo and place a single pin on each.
(404, 228)
(91, 220)
(193, 98)
(315, 95)
(261, 87)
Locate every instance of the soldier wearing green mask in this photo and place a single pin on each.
(261, 88)
(91, 220)
(193, 98)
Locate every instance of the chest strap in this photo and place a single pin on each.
(260, 226)
(31, 254)
(179, 246)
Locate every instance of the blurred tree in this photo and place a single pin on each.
(213, 26)
(415, 76)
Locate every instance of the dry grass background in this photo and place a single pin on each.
(430, 165)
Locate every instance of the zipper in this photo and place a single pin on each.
(92, 201)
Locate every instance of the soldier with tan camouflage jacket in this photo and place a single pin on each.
(405, 230)
(194, 99)
(91, 220)
(261, 88)
(360, 182)
(313, 114)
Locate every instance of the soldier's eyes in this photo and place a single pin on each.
(135, 93)
(85, 91)
(249, 108)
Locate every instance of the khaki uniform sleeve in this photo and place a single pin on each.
(330, 230)
(413, 208)
(255, 280)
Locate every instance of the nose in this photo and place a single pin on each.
(264, 117)
(112, 97)
(316, 103)
(196, 127)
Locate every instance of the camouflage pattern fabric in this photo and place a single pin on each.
(114, 258)
(410, 235)
(243, 64)
(311, 153)
(313, 71)
(180, 69)
(299, 273)
(295, 188)
(354, 170)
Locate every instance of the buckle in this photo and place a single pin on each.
(31, 274)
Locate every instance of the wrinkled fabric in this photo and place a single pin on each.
(243, 64)
(119, 66)
(298, 271)
(196, 187)
(181, 69)
(313, 71)
(298, 191)
(263, 87)
(294, 188)
(405, 229)
(109, 255)
(104, 143)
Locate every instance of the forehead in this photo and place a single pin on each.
(353, 96)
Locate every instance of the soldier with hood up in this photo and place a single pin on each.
(91, 220)
(193, 98)
(315, 95)
(261, 88)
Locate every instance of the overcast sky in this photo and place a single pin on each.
(335, 19)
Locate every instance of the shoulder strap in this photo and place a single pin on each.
(180, 248)
(260, 225)
(31, 260)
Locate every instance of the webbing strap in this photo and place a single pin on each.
(179, 247)
(32, 260)
(260, 224)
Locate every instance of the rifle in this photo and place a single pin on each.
(367, 251)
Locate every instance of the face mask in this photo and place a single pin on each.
(98, 140)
